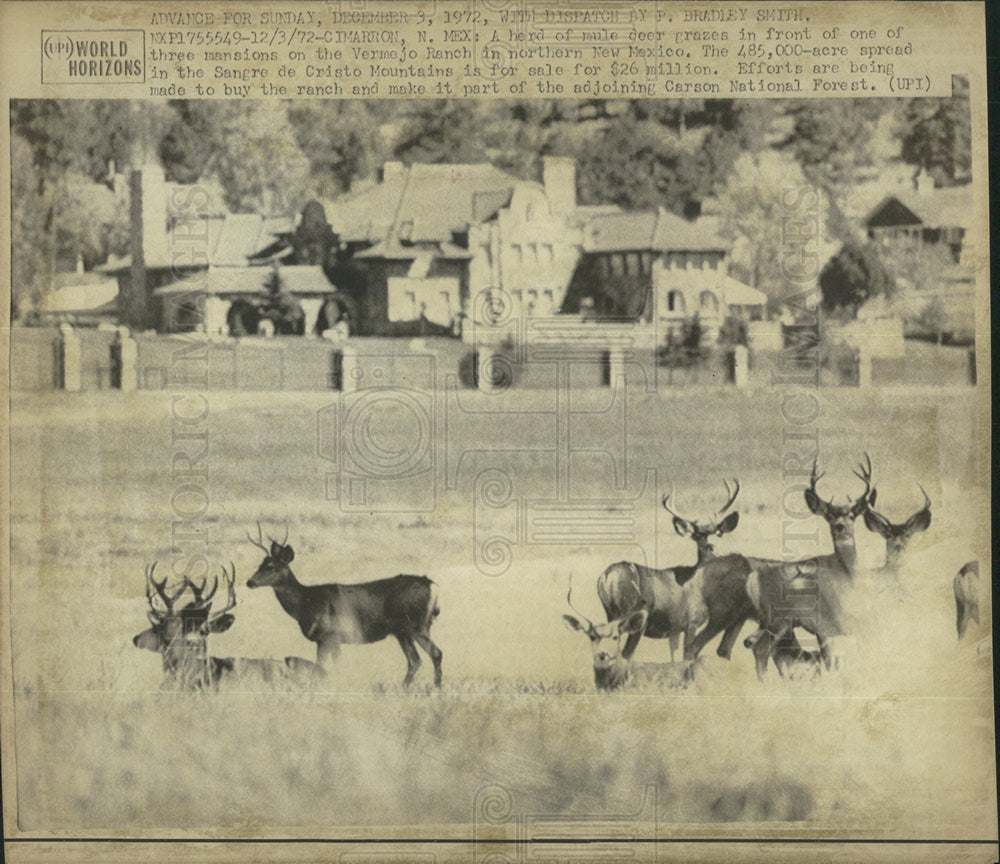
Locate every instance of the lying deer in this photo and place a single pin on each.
(333, 615)
(611, 667)
(180, 637)
(896, 535)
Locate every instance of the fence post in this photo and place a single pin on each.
(741, 366)
(350, 370)
(128, 359)
(864, 367)
(616, 366)
(494, 371)
(72, 362)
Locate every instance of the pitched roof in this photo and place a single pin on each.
(654, 229)
(935, 208)
(80, 292)
(422, 203)
(675, 234)
(620, 232)
(230, 241)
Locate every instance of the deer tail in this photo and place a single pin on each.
(433, 607)
(753, 589)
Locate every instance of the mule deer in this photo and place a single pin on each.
(809, 593)
(896, 536)
(673, 596)
(180, 636)
(966, 587)
(333, 615)
(611, 668)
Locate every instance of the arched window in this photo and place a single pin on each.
(675, 302)
(709, 302)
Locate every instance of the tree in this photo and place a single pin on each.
(249, 147)
(764, 191)
(852, 277)
(832, 138)
(441, 130)
(937, 134)
(313, 236)
(341, 140)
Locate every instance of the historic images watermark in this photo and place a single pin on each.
(187, 381)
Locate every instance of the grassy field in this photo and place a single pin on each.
(899, 744)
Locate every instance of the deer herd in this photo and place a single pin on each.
(717, 594)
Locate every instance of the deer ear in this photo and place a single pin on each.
(729, 523)
(288, 555)
(574, 623)
(275, 549)
(147, 639)
(220, 624)
(918, 521)
(682, 526)
(635, 622)
(813, 502)
(877, 523)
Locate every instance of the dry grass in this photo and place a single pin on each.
(900, 738)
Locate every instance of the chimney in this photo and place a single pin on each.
(147, 232)
(559, 180)
(923, 182)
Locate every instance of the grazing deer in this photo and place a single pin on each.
(809, 593)
(896, 536)
(333, 615)
(966, 585)
(673, 596)
(180, 637)
(611, 667)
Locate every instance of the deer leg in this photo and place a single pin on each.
(729, 637)
(675, 641)
(412, 658)
(763, 648)
(693, 647)
(425, 642)
(630, 645)
(825, 651)
(326, 653)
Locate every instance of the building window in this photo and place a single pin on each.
(618, 265)
(709, 302)
(675, 301)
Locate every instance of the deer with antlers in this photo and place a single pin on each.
(809, 593)
(334, 614)
(180, 637)
(673, 600)
(896, 535)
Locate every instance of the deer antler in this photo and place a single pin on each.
(230, 579)
(865, 474)
(160, 588)
(283, 542)
(198, 589)
(732, 496)
(814, 478)
(673, 513)
(259, 542)
(927, 500)
(569, 601)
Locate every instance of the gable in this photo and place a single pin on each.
(892, 212)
